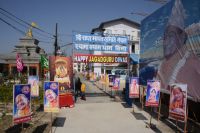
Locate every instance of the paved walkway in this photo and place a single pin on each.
(101, 114)
(99, 118)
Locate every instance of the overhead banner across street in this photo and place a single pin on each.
(89, 58)
(100, 47)
(90, 38)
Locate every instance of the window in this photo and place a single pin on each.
(133, 48)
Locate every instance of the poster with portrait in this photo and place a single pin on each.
(178, 101)
(61, 71)
(116, 83)
(111, 80)
(51, 99)
(21, 103)
(153, 93)
(34, 82)
(169, 45)
(134, 87)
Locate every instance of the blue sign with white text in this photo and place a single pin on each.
(89, 38)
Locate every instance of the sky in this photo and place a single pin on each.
(71, 15)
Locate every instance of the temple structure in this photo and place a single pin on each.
(29, 51)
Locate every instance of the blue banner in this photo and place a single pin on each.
(153, 93)
(51, 101)
(21, 103)
(89, 38)
(99, 47)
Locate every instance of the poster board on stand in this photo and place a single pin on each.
(152, 93)
(134, 87)
(21, 103)
(178, 102)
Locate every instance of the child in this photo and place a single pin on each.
(83, 88)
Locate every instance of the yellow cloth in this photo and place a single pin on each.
(83, 87)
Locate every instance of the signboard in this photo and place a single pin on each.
(51, 99)
(116, 84)
(170, 45)
(178, 101)
(61, 71)
(21, 103)
(134, 87)
(153, 93)
(90, 38)
(99, 47)
(34, 81)
(89, 58)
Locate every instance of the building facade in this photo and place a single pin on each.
(120, 27)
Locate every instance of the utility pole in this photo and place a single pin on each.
(56, 41)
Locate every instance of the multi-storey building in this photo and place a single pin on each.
(119, 27)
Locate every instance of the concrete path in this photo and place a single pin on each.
(98, 118)
(101, 114)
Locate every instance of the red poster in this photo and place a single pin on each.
(88, 58)
(61, 70)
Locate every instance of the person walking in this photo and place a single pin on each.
(83, 88)
(77, 87)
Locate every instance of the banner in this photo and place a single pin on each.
(19, 63)
(21, 103)
(99, 47)
(134, 87)
(153, 93)
(44, 62)
(61, 70)
(116, 84)
(34, 82)
(111, 80)
(169, 47)
(178, 102)
(90, 38)
(89, 58)
(51, 99)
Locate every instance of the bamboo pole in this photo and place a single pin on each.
(159, 109)
(186, 118)
(142, 98)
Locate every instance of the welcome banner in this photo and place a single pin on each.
(100, 47)
(89, 58)
(90, 38)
